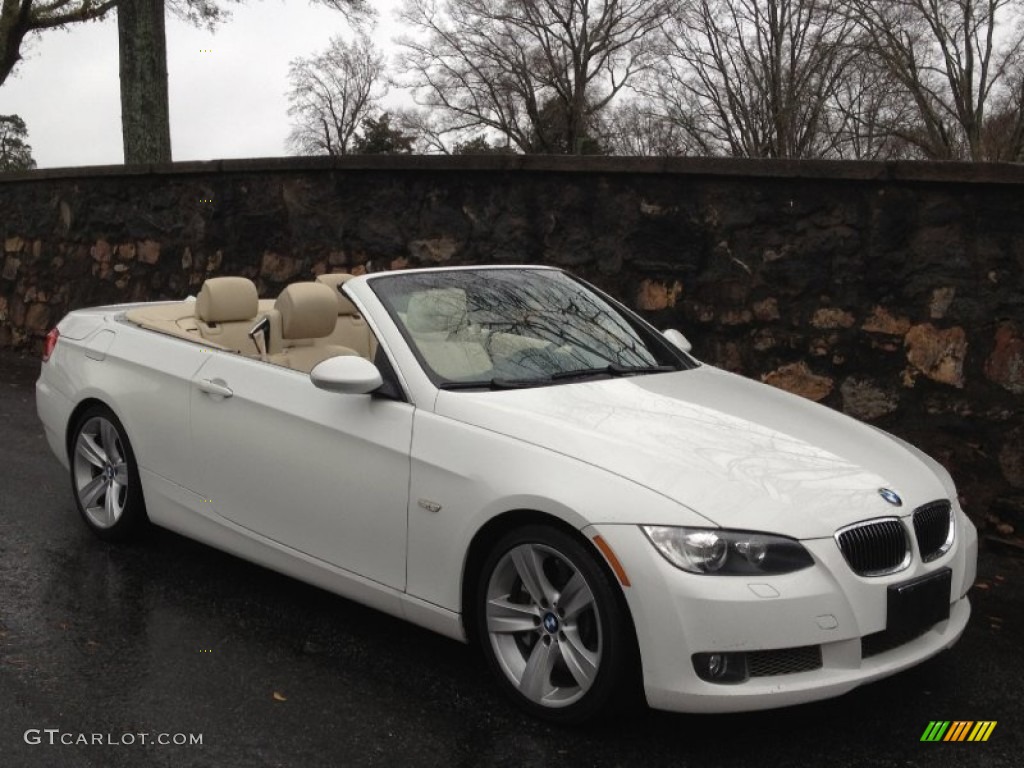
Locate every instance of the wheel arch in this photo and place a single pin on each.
(488, 535)
(76, 415)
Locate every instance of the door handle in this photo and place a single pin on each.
(214, 387)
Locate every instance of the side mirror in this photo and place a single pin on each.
(678, 340)
(347, 374)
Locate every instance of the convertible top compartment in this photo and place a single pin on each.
(176, 318)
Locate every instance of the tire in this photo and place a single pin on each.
(553, 627)
(105, 477)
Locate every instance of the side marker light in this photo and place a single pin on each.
(613, 561)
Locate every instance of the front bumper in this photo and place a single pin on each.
(826, 607)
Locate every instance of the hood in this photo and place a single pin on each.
(739, 453)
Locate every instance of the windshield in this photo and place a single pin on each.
(502, 328)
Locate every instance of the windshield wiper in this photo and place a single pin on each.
(494, 384)
(613, 369)
(608, 370)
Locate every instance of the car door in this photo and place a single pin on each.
(323, 473)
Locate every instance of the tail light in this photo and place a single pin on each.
(50, 343)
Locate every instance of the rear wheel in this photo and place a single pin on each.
(104, 476)
(552, 626)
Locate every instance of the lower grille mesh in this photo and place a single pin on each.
(784, 661)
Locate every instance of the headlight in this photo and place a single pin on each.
(730, 553)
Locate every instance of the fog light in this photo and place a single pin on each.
(716, 665)
(721, 667)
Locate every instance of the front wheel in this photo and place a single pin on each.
(104, 476)
(553, 626)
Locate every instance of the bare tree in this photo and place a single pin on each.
(19, 18)
(754, 78)
(500, 65)
(866, 113)
(145, 114)
(951, 59)
(1003, 131)
(427, 128)
(637, 128)
(332, 93)
(142, 48)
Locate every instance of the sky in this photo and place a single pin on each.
(227, 88)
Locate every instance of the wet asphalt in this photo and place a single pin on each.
(172, 639)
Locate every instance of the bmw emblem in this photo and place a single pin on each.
(550, 623)
(891, 496)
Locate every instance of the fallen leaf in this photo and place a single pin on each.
(280, 696)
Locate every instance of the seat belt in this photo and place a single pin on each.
(259, 334)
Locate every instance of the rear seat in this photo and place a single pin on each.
(350, 330)
(226, 308)
(308, 313)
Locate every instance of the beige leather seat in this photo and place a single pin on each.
(438, 322)
(308, 312)
(350, 330)
(226, 308)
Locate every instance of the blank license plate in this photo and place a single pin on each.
(917, 605)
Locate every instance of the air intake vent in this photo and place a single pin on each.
(785, 661)
(875, 547)
(933, 525)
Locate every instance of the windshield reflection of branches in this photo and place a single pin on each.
(528, 324)
(586, 331)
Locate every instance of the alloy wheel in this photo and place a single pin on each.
(544, 625)
(100, 470)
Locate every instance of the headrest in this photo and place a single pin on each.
(308, 311)
(227, 300)
(437, 310)
(334, 281)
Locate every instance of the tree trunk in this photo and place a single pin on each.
(145, 114)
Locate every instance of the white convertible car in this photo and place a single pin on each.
(507, 456)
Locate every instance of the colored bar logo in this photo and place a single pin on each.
(958, 730)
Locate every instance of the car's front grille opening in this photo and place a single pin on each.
(933, 526)
(887, 640)
(875, 547)
(784, 661)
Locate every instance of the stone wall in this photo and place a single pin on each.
(891, 291)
